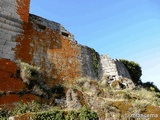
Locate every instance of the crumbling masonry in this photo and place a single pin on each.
(48, 45)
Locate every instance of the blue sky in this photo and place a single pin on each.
(128, 29)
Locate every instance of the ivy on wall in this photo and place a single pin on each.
(95, 59)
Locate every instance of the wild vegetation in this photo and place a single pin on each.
(84, 99)
(134, 70)
(96, 102)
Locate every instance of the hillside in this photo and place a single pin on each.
(86, 99)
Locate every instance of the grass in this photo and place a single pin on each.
(107, 103)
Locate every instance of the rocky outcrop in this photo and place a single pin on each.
(73, 100)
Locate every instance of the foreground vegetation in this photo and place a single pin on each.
(97, 101)
(35, 111)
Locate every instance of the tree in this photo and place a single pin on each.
(150, 86)
(134, 70)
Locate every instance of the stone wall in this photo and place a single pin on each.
(48, 45)
(87, 62)
(113, 73)
(42, 23)
(121, 69)
(111, 68)
(51, 47)
(108, 67)
(13, 13)
(59, 56)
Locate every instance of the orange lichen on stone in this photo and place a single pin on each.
(23, 9)
(23, 49)
(10, 84)
(30, 97)
(8, 80)
(55, 54)
(38, 45)
(11, 98)
(8, 99)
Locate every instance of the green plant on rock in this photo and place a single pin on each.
(95, 59)
(86, 114)
(29, 71)
(150, 86)
(49, 115)
(72, 115)
(158, 94)
(26, 107)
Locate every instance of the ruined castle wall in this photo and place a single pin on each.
(86, 62)
(108, 67)
(41, 22)
(112, 68)
(13, 14)
(122, 71)
(43, 46)
(59, 57)
(11, 86)
(48, 45)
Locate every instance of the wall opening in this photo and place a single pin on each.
(65, 34)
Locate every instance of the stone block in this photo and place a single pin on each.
(2, 41)
(5, 36)
(12, 33)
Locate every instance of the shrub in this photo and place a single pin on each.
(49, 115)
(151, 87)
(134, 70)
(72, 115)
(26, 107)
(158, 94)
(86, 114)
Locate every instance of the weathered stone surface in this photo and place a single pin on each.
(86, 62)
(113, 73)
(42, 23)
(122, 71)
(108, 68)
(11, 20)
(72, 100)
(48, 45)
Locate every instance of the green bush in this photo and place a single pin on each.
(49, 115)
(82, 114)
(150, 86)
(26, 107)
(134, 70)
(86, 114)
(72, 115)
(158, 94)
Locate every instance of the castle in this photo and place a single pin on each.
(48, 45)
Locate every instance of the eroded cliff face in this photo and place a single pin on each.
(45, 44)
